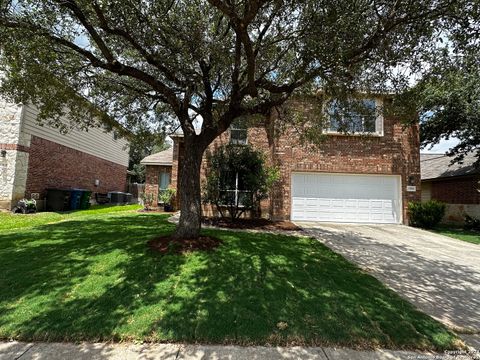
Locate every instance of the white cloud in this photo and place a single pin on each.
(442, 147)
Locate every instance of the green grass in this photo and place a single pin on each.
(9, 221)
(91, 277)
(459, 233)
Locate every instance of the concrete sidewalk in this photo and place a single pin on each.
(100, 351)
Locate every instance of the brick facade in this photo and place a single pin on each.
(14, 147)
(52, 165)
(151, 182)
(178, 154)
(458, 190)
(396, 152)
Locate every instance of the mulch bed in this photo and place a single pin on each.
(169, 245)
(255, 224)
(156, 210)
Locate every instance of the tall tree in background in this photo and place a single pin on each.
(214, 59)
(448, 95)
(450, 102)
(144, 142)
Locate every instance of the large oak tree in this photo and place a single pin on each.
(449, 98)
(181, 60)
(448, 94)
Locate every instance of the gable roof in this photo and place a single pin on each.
(434, 166)
(164, 158)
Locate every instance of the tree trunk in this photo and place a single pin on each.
(190, 195)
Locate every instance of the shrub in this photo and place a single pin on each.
(148, 200)
(426, 215)
(472, 223)
(237, 180)
(166, 196)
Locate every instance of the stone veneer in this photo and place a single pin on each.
(13, 155)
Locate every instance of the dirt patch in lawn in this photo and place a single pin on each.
(256, 224)
(170, 245)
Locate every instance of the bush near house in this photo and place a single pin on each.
(237, 180)
(472, 223)
(426, 215)
(166, 198)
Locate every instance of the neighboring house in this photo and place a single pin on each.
(368, 177)
(34, 158)
(457, 185)
(158, 173)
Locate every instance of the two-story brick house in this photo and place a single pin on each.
(34, 158)
(368, 176)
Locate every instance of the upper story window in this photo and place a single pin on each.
(238, 134)
(362, 116)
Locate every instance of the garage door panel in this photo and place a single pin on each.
(345, 198)
(337, 203)
(324, 202)
(376, 204)
(351, 204)
(363, 204)
(376, 217)
(363, 217)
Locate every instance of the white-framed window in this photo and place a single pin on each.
(359, 117)
(234, 193)
(238, 134)
(163, 181)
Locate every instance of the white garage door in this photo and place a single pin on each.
(346, 198)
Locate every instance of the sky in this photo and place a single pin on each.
(441, 147)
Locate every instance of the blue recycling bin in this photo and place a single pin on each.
(75, 198)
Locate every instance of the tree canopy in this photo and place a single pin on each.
(144, 142)
(447, 95)
(178, 61)
(450, 102)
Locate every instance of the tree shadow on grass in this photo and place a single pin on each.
(78, 279)
(95, 280)
(272, 289)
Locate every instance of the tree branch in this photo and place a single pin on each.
(149, 58)
(114, 67)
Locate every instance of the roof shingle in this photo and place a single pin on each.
(434, 166)
(164, 158)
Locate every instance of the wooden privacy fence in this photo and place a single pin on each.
(137, 191)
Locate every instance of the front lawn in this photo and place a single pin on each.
(9, 221)
(92, 278)
(459, 233)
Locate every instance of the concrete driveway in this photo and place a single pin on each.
(440, 275)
